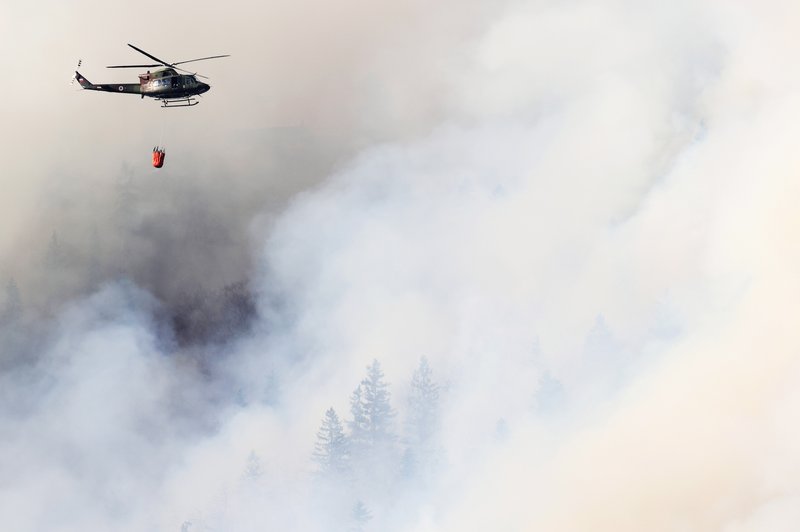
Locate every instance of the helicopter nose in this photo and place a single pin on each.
(204, 87)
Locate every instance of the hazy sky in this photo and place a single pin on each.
(599, 193)
(306, 85)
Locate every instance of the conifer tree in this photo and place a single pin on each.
(550, 394)
(372, 413)
(423, 405)
(13, 308)
(422, 421)
(600, 347)
(331, 449)
(359, 425)
(55, 273)
(94, 273)
(252, 470)
(54, 259)
(373, 454)
(125, 215)
(603, 360)
(360, 516)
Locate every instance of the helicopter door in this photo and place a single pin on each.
(175, 82)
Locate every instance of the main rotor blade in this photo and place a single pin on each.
(190, 72)
(154, 58)
(201, 59)
(135, 66)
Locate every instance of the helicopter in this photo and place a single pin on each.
(167, 85)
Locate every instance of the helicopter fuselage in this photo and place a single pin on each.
(166, 85)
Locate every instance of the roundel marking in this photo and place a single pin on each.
(121, 88)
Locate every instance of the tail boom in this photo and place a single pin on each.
(125, 88)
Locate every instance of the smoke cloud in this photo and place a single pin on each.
(581, 214)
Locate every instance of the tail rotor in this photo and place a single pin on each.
(75, 75)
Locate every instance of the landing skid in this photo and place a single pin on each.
(179, 102)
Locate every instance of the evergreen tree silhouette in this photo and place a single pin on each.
(361, 517)
(252, 469)
(13, 307)
(373, 455)
(331, 449)
(423, 418)
(423, 405)
(372, 413)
